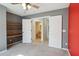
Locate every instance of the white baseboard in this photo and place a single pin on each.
(67, 51)
(64, 48)
(3, 51)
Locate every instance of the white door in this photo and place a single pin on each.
(55, 31)
(26, 26)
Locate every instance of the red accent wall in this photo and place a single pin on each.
(73, 29)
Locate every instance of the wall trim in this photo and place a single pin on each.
(64, 48)
(67, 51)
(3, 51)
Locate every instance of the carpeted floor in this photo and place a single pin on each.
(34, 50)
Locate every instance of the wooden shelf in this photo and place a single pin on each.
(13, 36)
(14, 29)
(14, 24)
(10, 45)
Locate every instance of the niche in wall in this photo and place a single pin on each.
(14, 29)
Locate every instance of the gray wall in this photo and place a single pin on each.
(3, 41)
(64, 13)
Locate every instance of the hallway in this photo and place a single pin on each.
(34, 50)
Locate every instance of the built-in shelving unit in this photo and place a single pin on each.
(14, 30)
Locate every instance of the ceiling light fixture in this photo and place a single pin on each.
(28, 6)
(24, 5)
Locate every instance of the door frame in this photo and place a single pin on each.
(41, 18)
(33, 31)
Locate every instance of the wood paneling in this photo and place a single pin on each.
(14, 29)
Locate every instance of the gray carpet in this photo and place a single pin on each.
(34, 50)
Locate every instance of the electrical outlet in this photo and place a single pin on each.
(64, 30)
(65, 43)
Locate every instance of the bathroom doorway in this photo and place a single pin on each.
(37, 26)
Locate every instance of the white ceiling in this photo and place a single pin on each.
(43, 7)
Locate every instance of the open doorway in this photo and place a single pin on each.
(37, 31)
